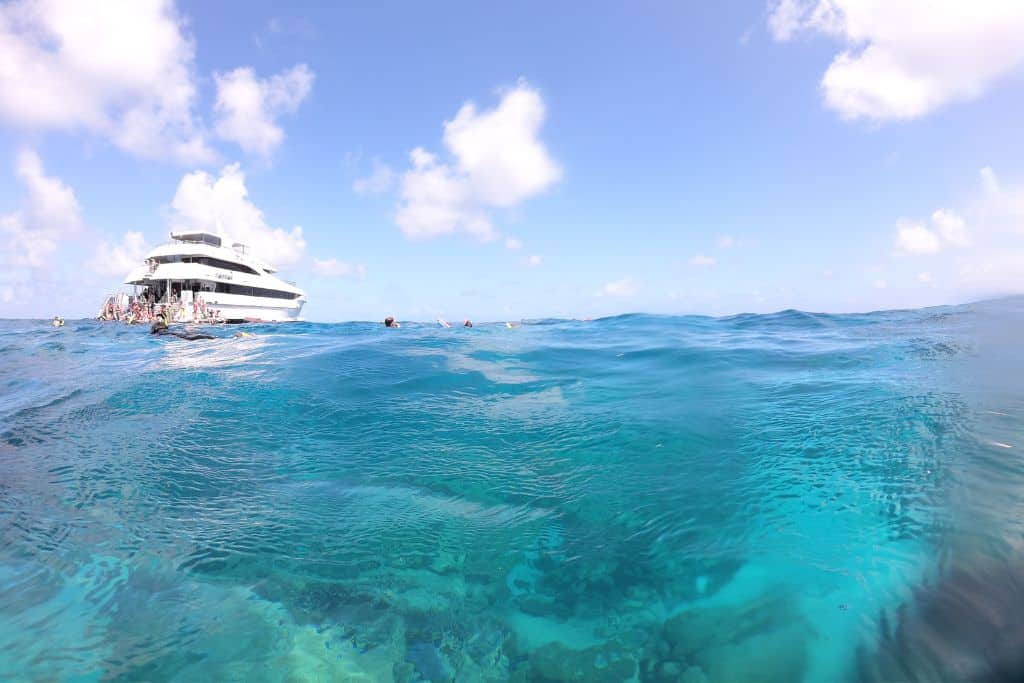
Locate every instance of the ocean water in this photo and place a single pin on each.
(786, 497)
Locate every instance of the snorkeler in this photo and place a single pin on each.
(390, 322)
(160, 327)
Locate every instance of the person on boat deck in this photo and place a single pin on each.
(390, 322)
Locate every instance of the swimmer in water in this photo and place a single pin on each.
(160, 327)
(390, 322)
(468, 323)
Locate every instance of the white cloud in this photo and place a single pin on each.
(421, 157)
(378, 182)
(984, 240)
(703, 261)
(437, 200)
(513, 244)
(993, 272)
(122, 70)
(119, 259)
(996, 261)
(52, 204)
(787, 18)
(625, 287)
(952, 228)
(221, 205)
(915, 238)
(499, 150)
(498, 161)
(334, 268)
(248, 108)
(1000, 208)
(990, 182)
(906, 58)
(534, 261)
(51, 213)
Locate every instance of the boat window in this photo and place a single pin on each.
(200, 237)
(207, 261)
(244, 290)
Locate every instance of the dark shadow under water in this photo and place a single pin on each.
(969, 626)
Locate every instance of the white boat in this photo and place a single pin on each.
(195, 278)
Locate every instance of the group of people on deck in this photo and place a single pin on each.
(135, 312)
(145, 309)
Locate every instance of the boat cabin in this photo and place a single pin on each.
(197, 238)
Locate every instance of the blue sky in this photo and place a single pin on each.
(501, 162)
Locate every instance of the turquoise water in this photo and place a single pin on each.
(781, 497)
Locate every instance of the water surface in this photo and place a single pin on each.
(790, 497)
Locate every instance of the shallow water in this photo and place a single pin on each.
(782, 497)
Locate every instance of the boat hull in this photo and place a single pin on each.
(247, 312)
